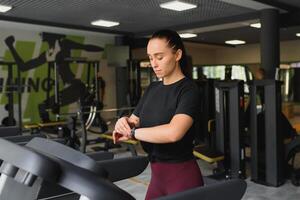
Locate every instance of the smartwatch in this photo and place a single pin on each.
(132, 133)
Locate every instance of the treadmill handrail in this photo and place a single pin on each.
(123, 168)
(29, 160)
(51, 148)
(88, 184)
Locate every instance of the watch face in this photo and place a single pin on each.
(132, 135)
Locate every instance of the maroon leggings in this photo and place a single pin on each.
(169, 178)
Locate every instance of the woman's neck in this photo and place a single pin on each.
(173, 77)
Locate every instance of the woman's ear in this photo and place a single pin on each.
(178, 54)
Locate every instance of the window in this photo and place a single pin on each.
(214, 72)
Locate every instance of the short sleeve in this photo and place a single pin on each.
(189, 102)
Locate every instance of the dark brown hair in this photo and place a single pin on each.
(174, 42)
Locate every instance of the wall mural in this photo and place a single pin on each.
(57, 52)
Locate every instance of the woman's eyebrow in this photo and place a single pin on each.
(155, 54)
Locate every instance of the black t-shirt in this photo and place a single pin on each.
(158, 106)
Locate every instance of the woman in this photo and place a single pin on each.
(164, 119)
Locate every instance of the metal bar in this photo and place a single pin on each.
(96, 68)
(253, 133)
(20, 99)
(83, 128)
(56, 89)
(100, 111)
(48, 80)
(235, 129)
(10, 96)
(88, 74)
(219, 120)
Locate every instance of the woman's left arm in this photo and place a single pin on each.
(166, 133)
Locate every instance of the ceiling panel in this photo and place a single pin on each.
(134, 15)
(142, 17)
(248, 34)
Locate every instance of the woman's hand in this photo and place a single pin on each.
(123, 126)
(122, 131)
(119, 137)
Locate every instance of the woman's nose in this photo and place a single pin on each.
(154, 63)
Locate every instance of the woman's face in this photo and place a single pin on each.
(163, 59)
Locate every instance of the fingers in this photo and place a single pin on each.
(122, 126)
(123, 138)
(114, 137)
(122, 130)
(119, 137)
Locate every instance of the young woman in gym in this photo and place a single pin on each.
(164, 119)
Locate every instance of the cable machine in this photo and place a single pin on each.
(9, 123)
(267, 148)
(229, 96)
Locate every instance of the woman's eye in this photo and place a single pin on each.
(159, 58)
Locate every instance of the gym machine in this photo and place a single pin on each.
(91, 84)
(9, 107)
(11, 129)
(207, 110)
(267, 147)
(87, 105)
(230, 126)
(134, 81)
(10, 120)
(81, 132)
(227, 148)
(140, 76)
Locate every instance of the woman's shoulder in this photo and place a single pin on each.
(189, 83)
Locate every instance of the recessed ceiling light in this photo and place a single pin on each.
(256, 25)
(4, 8)
(298, 34)
(235, 42)
(177, 5)
(105, 23)
(187, 35)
